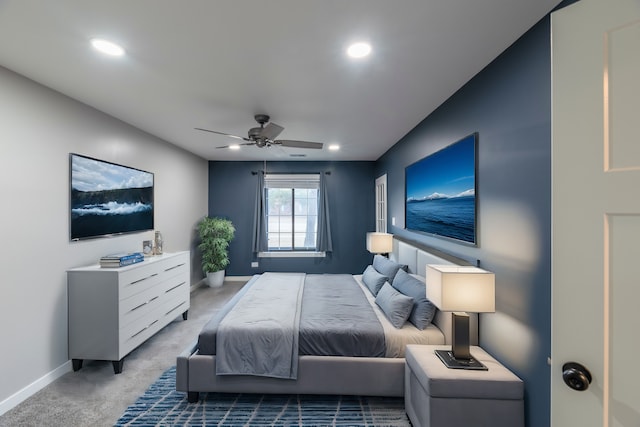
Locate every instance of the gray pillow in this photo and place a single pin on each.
(373, 280)
(386, 267)
(423, 309)
(396, 306)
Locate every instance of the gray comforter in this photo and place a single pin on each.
(336, 319)
(259, 335)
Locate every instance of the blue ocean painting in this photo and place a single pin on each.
(440, 192)
(453, 217)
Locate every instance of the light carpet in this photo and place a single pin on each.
(162, 405)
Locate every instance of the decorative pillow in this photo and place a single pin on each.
(396, 306)
(423, 309)
(373, 280)
(386, 267)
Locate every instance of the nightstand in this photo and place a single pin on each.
(436, 396)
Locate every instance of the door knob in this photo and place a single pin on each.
(576, 376)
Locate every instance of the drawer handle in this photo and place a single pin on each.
(175, 266)
(174, 308)
(143, 279)
(176, 286)
(143, 304)
(144, 329)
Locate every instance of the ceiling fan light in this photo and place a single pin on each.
(334, 147)
(359, 50)
(234, 147)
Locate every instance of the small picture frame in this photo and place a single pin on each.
(147, 247)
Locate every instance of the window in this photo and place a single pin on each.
(292, 212)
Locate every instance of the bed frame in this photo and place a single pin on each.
(371, 376)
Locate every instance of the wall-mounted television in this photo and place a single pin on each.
(440, 192)
(107, 199)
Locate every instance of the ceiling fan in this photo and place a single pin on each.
(264, 136)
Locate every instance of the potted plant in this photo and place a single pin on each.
(215, 234)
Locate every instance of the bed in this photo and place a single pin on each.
(316, 365)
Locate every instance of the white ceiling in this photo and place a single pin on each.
(216, 63)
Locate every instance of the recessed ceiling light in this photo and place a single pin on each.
(334, 147)
(359, 50)
(107, 47)
(234, 147)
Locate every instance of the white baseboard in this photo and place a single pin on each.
(237, 278)
(194, 286)
(28, 391)
(203, 282)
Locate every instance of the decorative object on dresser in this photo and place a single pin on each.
(147, 247)
(436, 396)
(460, 289)
(114, 310)
(158, 242)
(215, 234)
(380, 243)
(121, 259)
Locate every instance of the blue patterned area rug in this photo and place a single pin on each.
(162, 405)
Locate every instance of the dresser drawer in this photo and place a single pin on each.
(137, 332)
(176, 302)
(136, 280)
(139, 305)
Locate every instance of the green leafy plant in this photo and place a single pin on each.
(215, 235)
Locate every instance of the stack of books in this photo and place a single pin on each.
(120, 260)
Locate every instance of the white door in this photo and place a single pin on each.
(381, 204)
(596, 211)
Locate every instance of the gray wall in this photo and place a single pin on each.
(509, 105)
(40, 128)
(351, 190)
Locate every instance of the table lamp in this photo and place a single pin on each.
(460, 289)
(379, 243)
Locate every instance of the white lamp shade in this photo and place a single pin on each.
(379, 243)
(455, 288)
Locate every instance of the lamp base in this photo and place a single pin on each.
(452, 363)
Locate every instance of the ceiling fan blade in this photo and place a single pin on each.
(298, 144)
(225, 134)
(271, 130)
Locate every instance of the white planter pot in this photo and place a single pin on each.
(215, 279)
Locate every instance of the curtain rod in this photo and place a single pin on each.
(261, 171)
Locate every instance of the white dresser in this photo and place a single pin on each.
(114, 310)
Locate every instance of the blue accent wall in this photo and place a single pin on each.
(509, 105)
(351, 194)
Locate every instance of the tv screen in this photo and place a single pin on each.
(108, 199)
(440, 192)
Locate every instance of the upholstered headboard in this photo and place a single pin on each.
(417, 259)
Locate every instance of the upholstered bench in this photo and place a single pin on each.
(436, 396)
